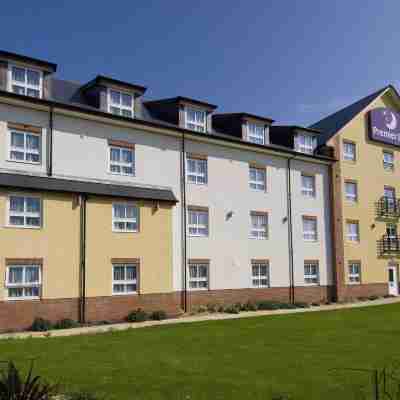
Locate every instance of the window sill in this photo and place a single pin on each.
(117, 231)
(23, 162)
(257, 238)
(23, 298)
(36, 228)
(124, 175)
(125, 294)
(198, 236)
(198, 290)
(354, 283)
(197, 184)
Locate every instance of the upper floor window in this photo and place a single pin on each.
(311, 272)
(351, 191)
(354, 272)
(353, 231)
(197, 170)
(25, 81)
(195, 119)
(24, 147)
(198, 275)
(122, 160)
(124, 279)
(257, 178)
(198, 222)
(308, 185)
(305, 143)
(259, 225)
(255, 133)
(120, 103)
(349, 151)
(260, 274)
(125, 217)
(23, 282)
(388, 160)
(310, 229)
(24, 211)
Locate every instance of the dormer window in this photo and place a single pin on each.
(305, 143)
(120, 103)
(195, 119)
(255, 133)
(25, 81)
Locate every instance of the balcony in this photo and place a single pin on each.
(388, 207)
(389, 245)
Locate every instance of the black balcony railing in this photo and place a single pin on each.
(389, 245)
(388, 207)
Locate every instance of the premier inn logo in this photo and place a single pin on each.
(385, 126)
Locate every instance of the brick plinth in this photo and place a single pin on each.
(351, 292)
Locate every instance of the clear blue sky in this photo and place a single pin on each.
(291, 60)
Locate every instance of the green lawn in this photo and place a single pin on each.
(251, 358)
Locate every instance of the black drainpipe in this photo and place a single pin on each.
(290, 230)
(183, 195)
(82, 259)
(50, 144)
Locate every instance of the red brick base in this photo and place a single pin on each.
(351, 292)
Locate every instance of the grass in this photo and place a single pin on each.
(251, 358)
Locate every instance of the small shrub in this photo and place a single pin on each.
(158, 315)
(221, 308)
(212, 308)
(301, 304)
(362, 298)
(66, 324)
(202, 309)
(373, 297)
(286, 306)
(315, 304)
(267, 305)
(41, 325)
(232, 309)
(250, 306)
(137, 316)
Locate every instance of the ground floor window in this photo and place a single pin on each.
(260, 274)
(311, 272)
(125, 279)
(354, 272)
(198, 275)
(23, 282)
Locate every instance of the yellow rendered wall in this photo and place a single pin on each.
(57, 242)
(152, 245)
(371, 178)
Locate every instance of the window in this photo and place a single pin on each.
(257, 178)
(198, 275)
(259, 225)
(23, 282)
(124, 279)
(389, 193)
(308, 185)
(349, 151)
(255, 133)
(120, 103)
(125, 217)
(351, 191)
(354, 272)
(25, 81)
(196, 120)
(24, 147)
(391, 231)
(198, 222)
(24, 212)
(197, 170)
(310, 229)
(122, 161)
(353, 234)
(260, 274)
(311, 272)
(388, 160)
(305, 143)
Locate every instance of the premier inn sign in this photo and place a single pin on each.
(384, 126)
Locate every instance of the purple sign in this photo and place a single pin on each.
(385, 126)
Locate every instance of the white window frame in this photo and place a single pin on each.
(306, 191)
(310, 235)
(24, 214)
(25, 151)
(352, 157)
(125, 220)
(256, 279)
(259, 232)
(310, 278)
(197, 177)
(353, 237)
(120, 106)
(259, 185)
(388, 166)
(125, 282)
(305, 148)
(354, 278)
(253, 136)
(25, 85)
(353, 198)
(198, 279)
(121, 164)
(197, 227)
(24, 285)
(195, 125)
